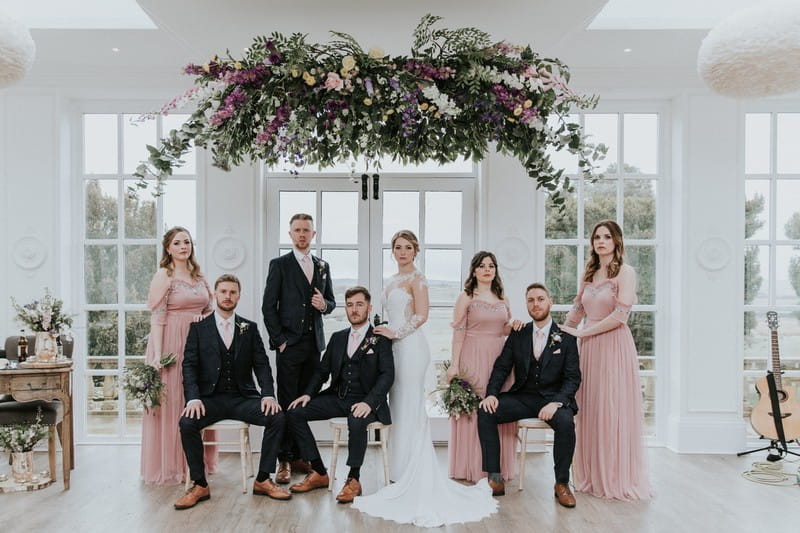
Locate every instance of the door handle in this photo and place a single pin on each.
(364, 187)
(376, 187)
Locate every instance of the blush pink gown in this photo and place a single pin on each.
(609, 455)
(483, 339)
(163, 461)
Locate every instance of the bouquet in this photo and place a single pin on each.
(46, 314)
(23, 436)
(457, 397)
(142, 382)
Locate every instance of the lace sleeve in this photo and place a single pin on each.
(409, 327)
(419, 310)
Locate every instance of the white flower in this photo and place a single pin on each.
(376, 52)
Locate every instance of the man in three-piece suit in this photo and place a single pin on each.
(223, 352)
(361, 367)
(298, 292)
(546, 377)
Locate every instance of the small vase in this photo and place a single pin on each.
(45, 346)
(22, 466)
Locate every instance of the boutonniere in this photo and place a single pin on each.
(242, 327)
(555, 338)
(321, 266)
(369, 341)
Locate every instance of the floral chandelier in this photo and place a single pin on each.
(291, 102)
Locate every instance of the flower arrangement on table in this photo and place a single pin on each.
(45, 315)
(22, 436)
(142, 382)
(457, 397)
(291, 102)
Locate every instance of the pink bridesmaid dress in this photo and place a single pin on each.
(163, 461)
(482, 331)
(609, 457)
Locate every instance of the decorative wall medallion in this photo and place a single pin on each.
(29, 252)
(714, 253)
(512, 253)
(228, 253)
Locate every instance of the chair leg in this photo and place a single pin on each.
(337, 433)
(385, 453)
(249, 452)
(243, 458)
(51, 451)
(522, 453)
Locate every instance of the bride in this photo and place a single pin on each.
(422, 494)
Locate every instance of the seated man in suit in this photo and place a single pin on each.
(361, 367)
(546, 377)
(222, 353)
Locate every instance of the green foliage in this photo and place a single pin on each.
(752, 266)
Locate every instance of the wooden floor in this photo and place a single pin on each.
(695, 493)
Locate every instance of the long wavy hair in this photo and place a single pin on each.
(166, 257)
(593, 264)
(472, 282)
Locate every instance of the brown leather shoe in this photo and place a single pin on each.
(300, 466)
(498, 488)
(310, 482)
(192, 496)
(351, 489)
(284, 474)
(268, 488)
(564, 495)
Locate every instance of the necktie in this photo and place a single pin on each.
(306, 264)
(227, 333)
(352, 344)
(538, 344)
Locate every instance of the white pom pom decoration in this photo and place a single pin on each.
(17, 50)
(754, 52)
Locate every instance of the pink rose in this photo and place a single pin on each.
(333, 82)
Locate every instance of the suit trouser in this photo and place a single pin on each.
(513, 406)
(295, 366)
(325, 407)
(233, 405)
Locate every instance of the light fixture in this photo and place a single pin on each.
(754, 52)
(115, 49)
(17, 50)
(627, 50)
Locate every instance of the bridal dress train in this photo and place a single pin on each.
(422, 494)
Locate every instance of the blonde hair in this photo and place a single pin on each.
(409, 236)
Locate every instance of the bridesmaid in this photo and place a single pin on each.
(609, 457)
(481, 321)
(179, 295)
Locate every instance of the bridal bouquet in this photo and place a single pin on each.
(142, 382)
(457, 397)
(23, 436)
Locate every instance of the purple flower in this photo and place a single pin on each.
(274, 58)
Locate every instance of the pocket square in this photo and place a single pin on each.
(370, 351)
(557, 352)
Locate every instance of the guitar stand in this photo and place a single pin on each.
(779, 445)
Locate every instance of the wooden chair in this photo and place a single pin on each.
(340, 424)
(525, 424)
(245, 450)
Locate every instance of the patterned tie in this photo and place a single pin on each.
(538, 343)
(227, 333)
(307, 268)
(352, 344)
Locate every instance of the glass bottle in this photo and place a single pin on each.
(22, 347)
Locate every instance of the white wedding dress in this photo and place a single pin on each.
(422, 494)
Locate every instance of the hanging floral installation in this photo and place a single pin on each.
(289, 102)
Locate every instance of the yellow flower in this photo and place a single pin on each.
(389, 111)
(207, 68)
(344, 72)
(376, 53)
(432, 109)
(423, 106)
(511, 119)
(437, 115)
(348, 62)
(527, 104)
(310, 80)
(517, 111)
(368, 101)
(237, 65)
(295, 73)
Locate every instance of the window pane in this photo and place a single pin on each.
(443, 218)
(757, 340)
(102, 336)
(140, 213)
(140, 265)
(101, 274)
(337, 319)
(643, 259)
(102, 199)
(339, 218)
(756, 209)
(640, 144)
(100, 144)
(562, 158)
(561, 272)
(756, 275)
(136, 135)
(439, 333)
(180, 205)
(787, 275)
(639, 213)
(400, 211)
(137, 329)
(389, 265)
(173, 122)
(102, 410)
(643, 329)
(756, 143)
(559, 225)
(600, 203)
(750, 398)
(788, 138)
(344, 270)
(443, 270)
(292, 203)
(648, 384)
(602, 128)
(787, 209)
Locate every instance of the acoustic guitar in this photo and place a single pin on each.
(761, 418)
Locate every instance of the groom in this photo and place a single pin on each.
(546, 377)
(361, 367)
(222, 353)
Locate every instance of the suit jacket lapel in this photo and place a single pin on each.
(236, 335)
(547, 352)
(211, 331)
(527, 346)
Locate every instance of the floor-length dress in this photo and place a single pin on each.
(422, 493)
(163, 461)
(482, 329)
(610, 457)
